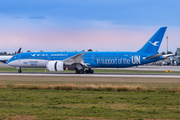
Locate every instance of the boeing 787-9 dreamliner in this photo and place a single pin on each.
(83, 62)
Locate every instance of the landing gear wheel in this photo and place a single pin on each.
(82, 71)
(19, 71)
(77, 71)
(89, 71)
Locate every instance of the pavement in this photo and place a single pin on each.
(145, 68)
(3, 65)
(141, 67)
(149, 68)
(93, 75)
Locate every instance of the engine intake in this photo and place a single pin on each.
(55, 66)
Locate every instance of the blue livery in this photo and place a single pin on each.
(82, 62)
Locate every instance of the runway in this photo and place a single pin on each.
(94, 75)
(149, 68)
(140, 68)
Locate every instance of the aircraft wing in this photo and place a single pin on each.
(76, 59)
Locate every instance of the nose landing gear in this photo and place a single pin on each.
(19, 70)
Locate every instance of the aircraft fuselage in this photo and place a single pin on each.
(91, 59)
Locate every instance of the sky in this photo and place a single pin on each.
(100, 25)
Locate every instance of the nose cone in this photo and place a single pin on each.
(11, 63)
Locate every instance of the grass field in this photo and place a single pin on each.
(88, 98)
(158, 84)
(88, 105)
(27, 97)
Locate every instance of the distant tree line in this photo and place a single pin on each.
(89, 50)
(5, 53)
(169, 52)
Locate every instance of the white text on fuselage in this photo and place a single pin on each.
(115, 61)
(34, 55)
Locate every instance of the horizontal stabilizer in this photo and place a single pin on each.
(154, 56)
(159, 55)
(168, 55)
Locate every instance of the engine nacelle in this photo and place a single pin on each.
(55, 66)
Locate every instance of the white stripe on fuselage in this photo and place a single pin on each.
(29, 63)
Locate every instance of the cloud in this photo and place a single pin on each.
(37, 17)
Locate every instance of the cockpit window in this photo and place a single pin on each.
(11, 57)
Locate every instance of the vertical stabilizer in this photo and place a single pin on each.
(19, 51)
(152, 46)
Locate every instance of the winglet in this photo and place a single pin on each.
(152, 46)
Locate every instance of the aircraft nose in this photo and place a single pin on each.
(12, 63)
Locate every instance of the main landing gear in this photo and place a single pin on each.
(80, 71)
(89, 71)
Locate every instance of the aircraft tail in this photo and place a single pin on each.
(152, 46)
(19, 51)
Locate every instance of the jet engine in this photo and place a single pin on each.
(55, 66)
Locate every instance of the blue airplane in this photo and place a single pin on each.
(82, 62)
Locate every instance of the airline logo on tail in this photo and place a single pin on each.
(155, 43)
